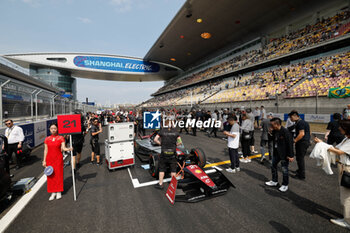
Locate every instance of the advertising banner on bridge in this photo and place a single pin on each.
(339, 92)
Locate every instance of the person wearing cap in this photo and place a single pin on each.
(282, 152)
(302, 142)
(266, 137)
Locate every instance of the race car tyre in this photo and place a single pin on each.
(154, 165)
(200, 157)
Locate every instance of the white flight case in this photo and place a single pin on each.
(118, 132)
(119, 147)
(119, 154)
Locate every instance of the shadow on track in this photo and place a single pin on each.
(280, 227)
(303, 203)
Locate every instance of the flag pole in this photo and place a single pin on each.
(73, 175)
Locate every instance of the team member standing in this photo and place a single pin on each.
(139, 120)
(302, 142)
(15, 138)
(213, 117)
(232, 132)
(282, 152)
(246, 138)
(169, 139)
(257, 116)
(262, 113)
(266, 137)
(54, 145)
(78, 143)
(252, 139)
(195, 115)
(96, 129)
(184, 117)
(333, 134)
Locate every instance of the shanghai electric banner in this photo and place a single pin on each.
(116, 64)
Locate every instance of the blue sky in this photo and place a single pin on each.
(120, 27)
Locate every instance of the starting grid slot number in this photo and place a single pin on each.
(66, 123)
(69, 124)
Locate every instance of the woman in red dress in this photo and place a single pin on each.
(54, 145)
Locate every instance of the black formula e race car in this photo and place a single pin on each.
(194, 182)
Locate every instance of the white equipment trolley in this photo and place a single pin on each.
(119, 147)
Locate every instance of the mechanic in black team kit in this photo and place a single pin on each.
(169, 139)
(95, 130)
(302, 142)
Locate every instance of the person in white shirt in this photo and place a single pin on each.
(232, 132)
(15, 138)
(342, 150)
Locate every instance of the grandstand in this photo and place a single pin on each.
(301, 64)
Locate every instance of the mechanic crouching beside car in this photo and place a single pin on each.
(168, 138)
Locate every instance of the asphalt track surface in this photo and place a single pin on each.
(108, 202)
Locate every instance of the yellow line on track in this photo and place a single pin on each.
(228, 161)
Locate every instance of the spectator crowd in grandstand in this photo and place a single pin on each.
(306, 78)
(302, 79)
(322, 30)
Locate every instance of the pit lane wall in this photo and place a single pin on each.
(309, 105)
(317, 110)
(35, 133)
